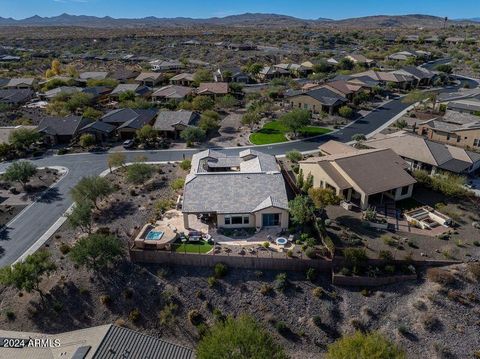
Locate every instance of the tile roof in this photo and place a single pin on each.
(148, 76)
(417, 148)
(220, 88)
(172, 92)
(93, 75)
(255, 182)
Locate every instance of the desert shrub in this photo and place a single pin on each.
(212, 281)
(403, 329)
(217, 313)
(430, 322)
(317, 320)
(281, 282)
(195, 317)
(388, 240)
(364, 346)
(128, 293)
(440, 276)
(220, 270)
(121, 323)
(294, 156)
(139, 173)
(318, 292)
(243, 337)
(355, 259)
(310, 252)
(10, 315)
(57, 306)
(167, 314)
(186, 165)
(64, 248)
(387, 256)
(134, 315)
(282, 328)
(474, 268)
(177, 184)
(105, 299)
(266, 289)
(389, 269)
(311, 274)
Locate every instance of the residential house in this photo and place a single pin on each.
(100, 94)
(183, 79)
(100, 130)
(345, 89)
(22, 83)
(244, 191)
(454, 128)
(399, 80)
(128, 120)
(149, 79)
(469, 105)
(61, 130)
(231, 74)
(137, 89)
(3, 82)
(172, 123)
(360, 60)
(294, 69)
(15, 97)
(363, 177)
(454, 40)
(213, 89)
(93, 75)
(271, 72)
(422, 76)
(171, 93)
(424, 154)
(318, 100)
(166, 66)
(96, 342)
(62, 90)
(123, 75)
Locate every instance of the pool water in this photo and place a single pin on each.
(281, 241)
(154, 235)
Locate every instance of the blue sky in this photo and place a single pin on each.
(207, 8)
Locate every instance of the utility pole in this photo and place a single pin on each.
(445, 22)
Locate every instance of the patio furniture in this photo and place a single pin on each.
(290, 238)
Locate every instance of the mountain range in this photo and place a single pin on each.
(241, 20)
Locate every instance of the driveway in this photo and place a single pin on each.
(31, 224)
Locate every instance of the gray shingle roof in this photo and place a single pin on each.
(326, 96)
(125, 343)
(166, 120)
(62, 126)
(233, 192)
(15, 96)
(127, 117)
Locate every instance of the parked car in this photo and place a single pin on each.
(128, 144)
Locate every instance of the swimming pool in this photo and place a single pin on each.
(281, 241)
(154, 235)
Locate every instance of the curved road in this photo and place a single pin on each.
(33, 223)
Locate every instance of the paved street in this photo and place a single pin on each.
(31, 224)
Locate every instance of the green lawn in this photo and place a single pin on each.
(274, 132)
(192, 247)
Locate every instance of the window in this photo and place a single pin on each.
(270, 219)
(405, 190)
(448, 137)
(458, 138)
(236, 220)
(476, 142)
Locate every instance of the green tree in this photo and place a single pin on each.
(445, 68)
(96, 251)
(146, 134)
(87, 140)
(78, 101)
(23, 138)
(139, 173)
(116, 159)
(359, 138)
(322, 67)
(186, 165)
(364, 346)
(323, 197)
(127, 96)
(21, 172)
(345, 64)
(6, 151)
(192, 135)
(241, 338)
(251, 118)
(302, 210)
(28, 275)
(202, 75)
(202, 103)
(91, 189)
(308, 183)
(295, 120)
(253, 69)
(294, 156)
(415, 96)
(81, 217)
(209, 121)
(355, 259)
(227, 101)
(345, 112)
(91, 113)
